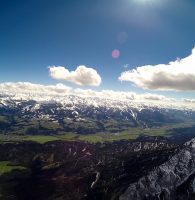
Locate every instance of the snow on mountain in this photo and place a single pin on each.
(11, 98)
(99, 113)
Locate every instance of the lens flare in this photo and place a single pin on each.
(115, 53)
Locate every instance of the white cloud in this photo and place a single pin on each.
(111, 94)
(189, 100)
(26, 88)
(31, 88)
(155, 97)
(83, 75)
(178, 75)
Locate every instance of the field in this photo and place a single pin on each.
(6, 167)
(129, 134)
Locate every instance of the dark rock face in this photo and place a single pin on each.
(172, 180)
(79, 170)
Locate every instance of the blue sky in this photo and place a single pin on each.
(36, 34)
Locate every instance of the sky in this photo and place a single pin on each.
(141, 46)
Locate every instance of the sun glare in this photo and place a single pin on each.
(146, 1)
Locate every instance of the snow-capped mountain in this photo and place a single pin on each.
(116, 102)
(83, 114)
(38, 114)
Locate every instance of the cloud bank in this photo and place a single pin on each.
(189, 100)
(31, 88)
(63, 90)
(178, 75)
(82, 76)
(120, 95)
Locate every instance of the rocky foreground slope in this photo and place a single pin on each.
(146, 169)
(174, 179)
(79, 170)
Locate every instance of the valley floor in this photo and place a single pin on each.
(169, 130)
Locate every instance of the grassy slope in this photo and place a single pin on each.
(6, 167)
(129, 134)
